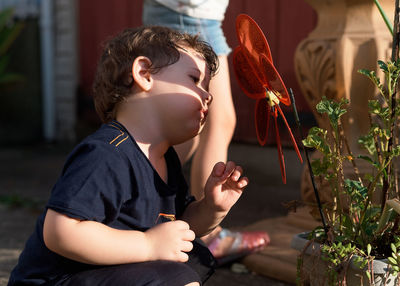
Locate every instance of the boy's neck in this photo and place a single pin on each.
(152, 147)
(147, 138)
(155, 154)
(139, 118)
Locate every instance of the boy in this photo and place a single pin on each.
(102, 224)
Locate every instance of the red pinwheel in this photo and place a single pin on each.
(259, 79)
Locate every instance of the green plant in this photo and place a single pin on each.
(357, 224)
(9, 31)
(362, 220)
(394, 259)
(336, 255)
(16, 201)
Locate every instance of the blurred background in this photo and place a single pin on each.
(48, 55)
(59, 43)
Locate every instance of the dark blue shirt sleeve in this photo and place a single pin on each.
(96, 180)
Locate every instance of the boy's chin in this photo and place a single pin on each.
(195, 131)
(190, 135)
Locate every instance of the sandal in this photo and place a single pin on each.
(229, 246)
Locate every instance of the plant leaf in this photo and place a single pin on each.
(8, 36)
(383, 66)
(5, 17)
(392, 260)
(10, 78)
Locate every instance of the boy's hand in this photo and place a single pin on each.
(170, 241)
(224, 186)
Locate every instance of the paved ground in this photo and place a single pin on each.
(28, 173)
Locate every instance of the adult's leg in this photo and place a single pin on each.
(211, 145)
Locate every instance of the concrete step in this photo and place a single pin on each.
(279, 260)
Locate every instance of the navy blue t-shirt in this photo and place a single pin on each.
(108, 179)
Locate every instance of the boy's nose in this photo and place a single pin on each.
(208, 98)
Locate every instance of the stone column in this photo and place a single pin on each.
(350, 35)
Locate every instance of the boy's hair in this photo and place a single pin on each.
(113, 80)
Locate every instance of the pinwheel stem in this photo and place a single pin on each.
(308, 161)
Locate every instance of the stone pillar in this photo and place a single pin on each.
(350, 35)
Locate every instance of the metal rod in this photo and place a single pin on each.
(308, 161)
(395, 33)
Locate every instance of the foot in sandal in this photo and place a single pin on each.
(228, 246)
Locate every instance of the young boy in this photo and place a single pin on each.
(103, 222)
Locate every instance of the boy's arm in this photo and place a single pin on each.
(223, 188)
(95, 243)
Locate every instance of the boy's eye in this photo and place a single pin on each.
(195, 79)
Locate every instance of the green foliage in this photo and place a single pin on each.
(18, 201)
(394, 260)
(9, 31)
(333, 109)
(359, 227)
(337, 256)
(357, 224)
(299, 267)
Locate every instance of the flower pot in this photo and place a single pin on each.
(314, 269)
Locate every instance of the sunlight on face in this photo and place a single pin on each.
(181, 96)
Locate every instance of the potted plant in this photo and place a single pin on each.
(359, 242)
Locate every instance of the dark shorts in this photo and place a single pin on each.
(198, 269)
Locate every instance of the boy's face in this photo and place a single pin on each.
(181, 96)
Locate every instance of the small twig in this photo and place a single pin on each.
(340, 175)
(396, 30)
(376, 143)
(346, 268)
(353, 162)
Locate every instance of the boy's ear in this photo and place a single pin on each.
(141, 73)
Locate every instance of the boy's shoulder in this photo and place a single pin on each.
(111, 134)
(109, 140)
